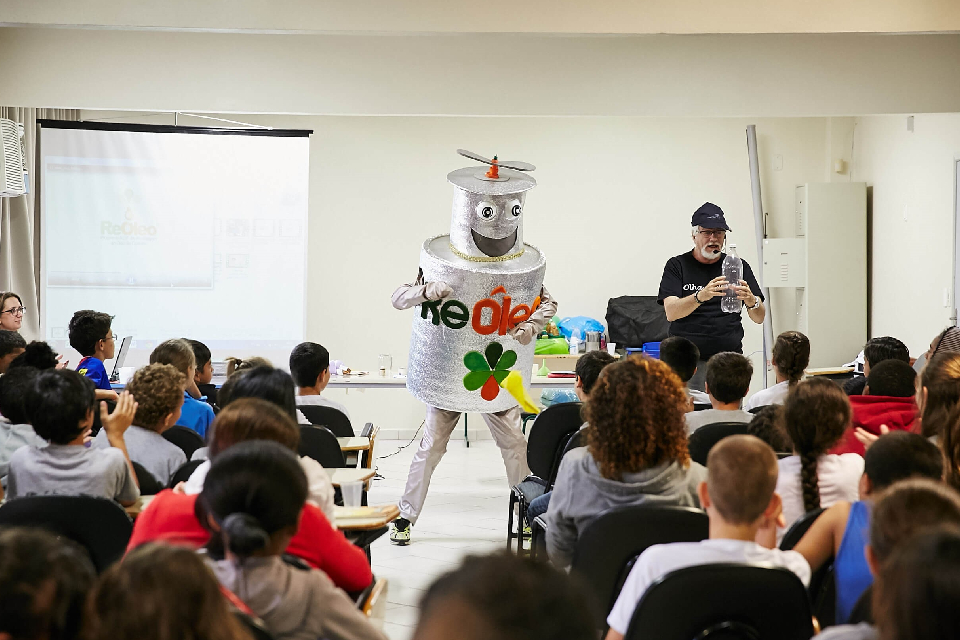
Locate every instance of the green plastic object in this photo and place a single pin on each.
(551, 346)
(543, 371)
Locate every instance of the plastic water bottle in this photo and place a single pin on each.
(733, 272)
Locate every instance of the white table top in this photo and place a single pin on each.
(374, 381)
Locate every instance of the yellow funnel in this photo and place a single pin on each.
(513, 383)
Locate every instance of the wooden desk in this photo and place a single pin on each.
(137, 508)
(376, 382)
(357, 443)
(365, 518)
(829, 371)
(345, 476)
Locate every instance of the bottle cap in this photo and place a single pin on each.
(733, 245)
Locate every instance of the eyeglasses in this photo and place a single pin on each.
(712, 233)
(16, 311)
(109, 338)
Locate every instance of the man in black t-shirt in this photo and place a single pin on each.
(693, 284)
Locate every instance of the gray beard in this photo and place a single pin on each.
(710, 255)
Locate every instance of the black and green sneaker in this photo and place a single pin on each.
(400, 534)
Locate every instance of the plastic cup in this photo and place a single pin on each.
(612, 348)
(352, 493)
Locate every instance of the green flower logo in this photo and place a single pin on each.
(488, 369)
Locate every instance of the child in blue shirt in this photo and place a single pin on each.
(841, 531)
(195, 414)
(91, 335)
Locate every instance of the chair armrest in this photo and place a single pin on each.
(540, 522)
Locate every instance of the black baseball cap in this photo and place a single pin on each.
(709, 216)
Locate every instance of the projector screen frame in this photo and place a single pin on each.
(39, 244)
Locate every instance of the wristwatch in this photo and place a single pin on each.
(755, 305)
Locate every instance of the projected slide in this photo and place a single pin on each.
(176, 235)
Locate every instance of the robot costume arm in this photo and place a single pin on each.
(527, 331)
(410, 295)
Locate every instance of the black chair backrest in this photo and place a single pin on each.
(577, 439)
(328, 417)
(187, 439)
(708, 435)
(701, 406)
(608, 546)
(798, 528)
(149, 485)
(99, 525)
(863, 609)
(184, 472)
(320, 444)
(548, 434)
(724, 601)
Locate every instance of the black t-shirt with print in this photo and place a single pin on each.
(708, 326)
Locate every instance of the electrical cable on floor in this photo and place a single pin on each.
(377, 468)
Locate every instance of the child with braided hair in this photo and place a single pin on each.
(791, 355)
(815, 415)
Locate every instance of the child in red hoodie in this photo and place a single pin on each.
(889, 399)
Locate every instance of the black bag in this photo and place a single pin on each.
(633, 320)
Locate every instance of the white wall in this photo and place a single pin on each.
(488, 74)
(613, 202)
(542, 16)
(912, 179)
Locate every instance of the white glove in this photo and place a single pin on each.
(437, 290)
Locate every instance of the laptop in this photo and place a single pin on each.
(121, 356)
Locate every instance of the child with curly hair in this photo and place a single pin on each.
(636, 452)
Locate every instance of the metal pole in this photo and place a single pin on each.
(758, 229)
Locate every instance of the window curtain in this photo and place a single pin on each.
(20, 222)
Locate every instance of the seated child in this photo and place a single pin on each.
(195, 414)
(60, 406)
(44, 582)
(171, 515)
(588, 369)
(203, 376)
(727, 382)
(815, 416)
(38, 355)
(902, 516)
(236, 365)
(841, 531)
(252, 499)
(158, 390)
(12, 345)
(160, 592)
(256, 419)
(15, 429)
(636, 453)
(683, 356)
(505, 597)
(740, 500)
(767, 424)
(310, 368)
(91, 335)
(888, 399)
(791, 355)
(876, 350)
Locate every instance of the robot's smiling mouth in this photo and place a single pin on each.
(494, 247)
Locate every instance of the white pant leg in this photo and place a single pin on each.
(505, 428)
(440, 423)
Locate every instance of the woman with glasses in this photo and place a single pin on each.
(11, 311)
(693, 284)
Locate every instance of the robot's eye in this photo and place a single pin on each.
(486, 210)
(516, 210)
